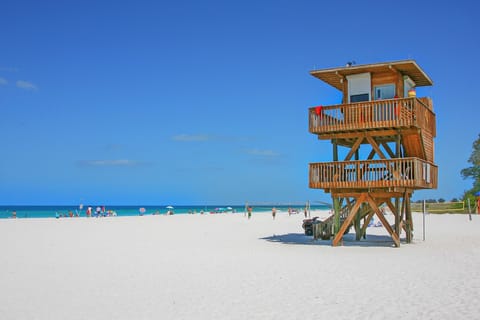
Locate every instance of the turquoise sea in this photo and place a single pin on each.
(53, 211)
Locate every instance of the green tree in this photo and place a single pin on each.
(473, 172)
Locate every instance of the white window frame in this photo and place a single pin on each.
(360, 83)
(384, 85)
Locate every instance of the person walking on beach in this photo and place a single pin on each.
(249, 211)
(274, 212)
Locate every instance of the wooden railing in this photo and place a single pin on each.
(403, 172)
(390, 113)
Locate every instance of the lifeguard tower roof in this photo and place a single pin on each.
(334, 76)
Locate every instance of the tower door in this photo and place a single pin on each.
(359, 87)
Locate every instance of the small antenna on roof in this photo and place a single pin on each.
(350, 63)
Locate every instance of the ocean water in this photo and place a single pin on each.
(63, 211)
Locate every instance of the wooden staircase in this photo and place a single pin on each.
(418, 144)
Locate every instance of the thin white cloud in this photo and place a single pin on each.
(114, 147)
(263, 153)
(27, 85)
(191, 137)
(8, 69)
(111, 163)
(3, 82)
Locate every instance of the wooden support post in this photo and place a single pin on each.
(396, 213)
(336, 217)
(398, 216)
(356, 225)
(348, 221)
(399, 219)
(336, 200)
(398, 151)
(335, 150)
(409, 210)
(408, 218)
(367, 221)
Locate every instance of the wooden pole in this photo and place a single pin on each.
(402, 215)
(356, 225)
(398, 214)
(408, 217)
(424, 211)
(365, 225)
(469, 210)
(399, 217)
(335, 150)
(336, 200)
(336, 218)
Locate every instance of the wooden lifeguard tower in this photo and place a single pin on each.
(381, 114)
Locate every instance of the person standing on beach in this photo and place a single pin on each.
(249, 211)
(274, 212)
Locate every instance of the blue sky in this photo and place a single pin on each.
(202, 102)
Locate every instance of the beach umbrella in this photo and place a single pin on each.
(142, 210)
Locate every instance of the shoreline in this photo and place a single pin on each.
(28, 212)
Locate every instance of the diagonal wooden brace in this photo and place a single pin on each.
(347, 221)
(384, 221)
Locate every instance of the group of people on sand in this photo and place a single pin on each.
(70, 214)
(99, 212)
(290, 212)
(168, 213)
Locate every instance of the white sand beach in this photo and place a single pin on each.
(228, 267)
